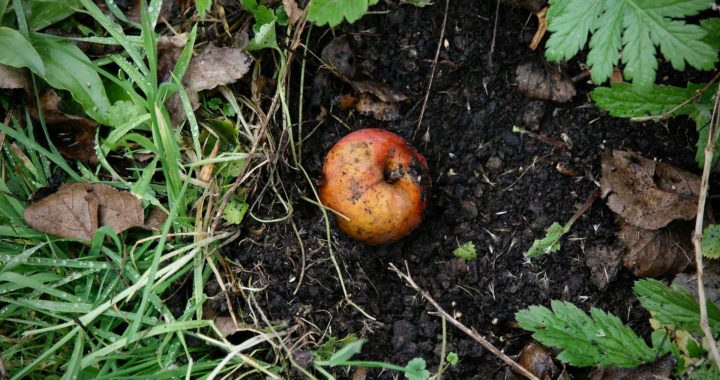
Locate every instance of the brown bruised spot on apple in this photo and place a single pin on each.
(379, 182)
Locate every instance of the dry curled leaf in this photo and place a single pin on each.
(155, 219)
(340, 56)
(380, 89)
(169, 49)
(646, 193)
(656, 253)
(546, 83)
(13, 78)
(659, 369)
(77, 210)
(293, 11)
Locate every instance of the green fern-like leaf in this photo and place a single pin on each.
(635, 27)
(332, 12)
(586, 340)
(675, 306)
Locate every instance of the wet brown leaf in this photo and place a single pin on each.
(538, 360)
(648, 194)
(370, 106)
(155, 219)
(656, 253)
(659, 369)
(77, 210)
(169, 49)
(12, 78)
(546, 83)
(604, 263)
(340, 56)
(74, 136)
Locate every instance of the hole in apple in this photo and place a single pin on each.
(392, 172)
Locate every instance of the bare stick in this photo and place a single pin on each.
(698, 234)
(492, 44)
(470, 332)
(426, 137)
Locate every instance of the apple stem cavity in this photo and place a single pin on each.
(393, 175)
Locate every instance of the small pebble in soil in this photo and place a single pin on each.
(469, 209)
(494, 163)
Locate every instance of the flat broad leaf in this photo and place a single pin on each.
(235, 211)
(68, 68)
(216, 66)
(632, 29)
(675, 306)
(77, 210)
(43, 13)
(333, 12)
(550, 243)
(585, 340)
(23, 52)
(416, 370)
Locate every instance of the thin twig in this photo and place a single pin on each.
(698, 234)
(426, 137)
(470, 332)
(492, 44)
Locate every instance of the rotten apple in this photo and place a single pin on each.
(378, 183)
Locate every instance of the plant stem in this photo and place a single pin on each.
(698, 234)
(360, 363)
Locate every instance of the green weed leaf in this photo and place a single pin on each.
(466, 251)
(332, 12)
(452, 358)
(235, 211)
(68, 68)
(415, 370)
(23, 53)
(264, 28)
(635, 27)
(675, 306)
(43, 13)
(711, 241)
(344, 354)
(625, 100)
(550, 243)
(203, 6)
(586, 340)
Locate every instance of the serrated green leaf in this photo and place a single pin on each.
(550, 243)
(674, 306)
(637, 28)
(203, 6)
(711, 241)
(586, 341)
(235, 211)
(264, 34)
(466, 251)
(415, 370)
(68, 68)
(23, 54)
(705, 372)
(711, 26)
(332, 12)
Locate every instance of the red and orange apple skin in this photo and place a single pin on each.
(378, 182)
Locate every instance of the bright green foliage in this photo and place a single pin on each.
(598, 339)
(264, 27)
(712, 28)
(68, 68)
(415, 370)
(43, 13)
(203, 6)
(466, 251)
(705, 372)
(331, 345)
(235, 211)
(711, 241)
(635, 27)
(550, 243)
(23, 53)
(624, 100)
(452, 358)
(332, 12)
(675, 306)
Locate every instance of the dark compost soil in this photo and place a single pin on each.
(497, 189)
